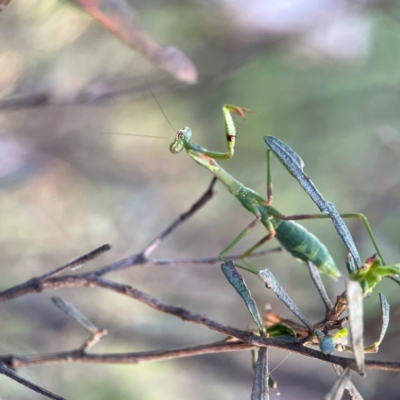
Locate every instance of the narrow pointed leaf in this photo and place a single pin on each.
(237, 281)
(343, 232)
(260, 385)
(355, 310)
(268, 278)
(294, 164)
(272, 383)
(353, 392)
(69, 309)
(337, 390)
(385, 323)
(385, 317)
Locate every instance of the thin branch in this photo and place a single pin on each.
(93, 339)
(339, 308)
(207, 260)
(95, 94)
(248, 338)
(25, 101)
(95, 333)
(141, 257)
(316, 278)
(16, 362)
(244, 339)
(77, 263)
(207, 196)
(12, 375)
(36, 284)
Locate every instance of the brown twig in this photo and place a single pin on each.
(93, 339)
(16, 362)
(11, 374)
(25, 101)
(244, 340)
(207, 196)
(36, 284)
(207, 260)
(86, 97)
(316, 278)
(141, 256)
(77, 263)
(247, 338)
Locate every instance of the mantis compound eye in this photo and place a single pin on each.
(180, 134)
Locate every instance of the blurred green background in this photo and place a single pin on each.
(324, 77)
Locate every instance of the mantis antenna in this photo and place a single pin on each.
(147, 136)
(159, 106)
(133, 134)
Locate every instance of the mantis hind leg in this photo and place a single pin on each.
(351, 215)
(270, 235)
(249, 267)
(269, 180)
(237, 239)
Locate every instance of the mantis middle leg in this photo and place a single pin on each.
(320, 215)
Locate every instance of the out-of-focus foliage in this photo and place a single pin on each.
(118, 18)
(329, 87)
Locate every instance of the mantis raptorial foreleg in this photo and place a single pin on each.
(230, 133)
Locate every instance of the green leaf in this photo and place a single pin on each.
(237, 281)
(355, 310)
(372, 272)
(340, 334)
(260, 385)
(294, 164)
(268, 278)
(281, 331)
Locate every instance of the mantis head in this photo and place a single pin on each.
(181, 139)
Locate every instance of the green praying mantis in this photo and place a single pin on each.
(299, 242)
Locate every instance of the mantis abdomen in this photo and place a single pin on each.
(304, 246)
